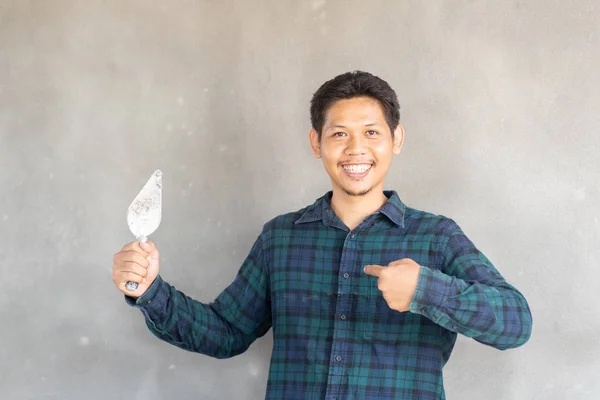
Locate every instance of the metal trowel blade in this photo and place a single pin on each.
(144, 213)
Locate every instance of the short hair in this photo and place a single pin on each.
(350, 85)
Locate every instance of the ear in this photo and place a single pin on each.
(398, 139)
(315, 143)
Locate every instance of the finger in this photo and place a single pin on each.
(402, 261)
(135, 246)
(373, 270)
(148, 247)
(125, 277)
(132, 267)
(131, 256)
(154, 252)
(154, 255)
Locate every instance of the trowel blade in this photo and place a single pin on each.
(144, 213)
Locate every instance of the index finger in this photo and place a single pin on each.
(373, 270)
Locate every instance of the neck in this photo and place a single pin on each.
(352, 210)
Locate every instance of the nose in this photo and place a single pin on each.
(355, 145)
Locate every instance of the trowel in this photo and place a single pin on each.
(144, 213)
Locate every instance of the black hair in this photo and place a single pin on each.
(350, 85)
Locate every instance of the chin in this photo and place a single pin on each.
(357, 192)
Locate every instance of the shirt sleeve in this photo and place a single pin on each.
(221, 329)
(469, 296)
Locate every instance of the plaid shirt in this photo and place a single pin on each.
(334, 335)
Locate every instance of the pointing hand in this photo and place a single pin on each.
(397, 282)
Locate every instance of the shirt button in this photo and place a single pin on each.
(346, 275)
(338, 358)
(352, 236)
(343, 316)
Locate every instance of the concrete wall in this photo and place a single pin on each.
(499, 100)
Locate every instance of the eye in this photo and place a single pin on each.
(372, 133)
(339, 134)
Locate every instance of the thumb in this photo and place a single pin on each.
(153, 255)
(153, 264)
(373, 270)
(147, 246)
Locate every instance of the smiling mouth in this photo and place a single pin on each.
(357, 170)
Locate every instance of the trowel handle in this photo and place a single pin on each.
(132, 286)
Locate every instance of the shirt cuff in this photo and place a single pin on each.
(430, 293)
(149, 295)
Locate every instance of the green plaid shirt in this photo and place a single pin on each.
(334, 335)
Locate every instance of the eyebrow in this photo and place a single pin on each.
(342, 126)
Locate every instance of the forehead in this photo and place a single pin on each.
(358, 110)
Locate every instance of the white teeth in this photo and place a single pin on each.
(357, 169)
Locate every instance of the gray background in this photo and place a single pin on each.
(500, 104)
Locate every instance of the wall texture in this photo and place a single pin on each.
(500, 104)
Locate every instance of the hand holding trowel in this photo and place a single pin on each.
(144, 213)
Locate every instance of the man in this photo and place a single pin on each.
(365, 295)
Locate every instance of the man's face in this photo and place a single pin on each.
(356, 145)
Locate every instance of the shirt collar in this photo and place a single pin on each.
(394, 209)
(314, 212)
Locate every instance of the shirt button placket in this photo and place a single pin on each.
(340, 334)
